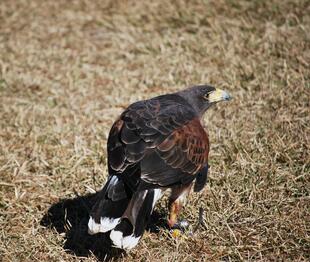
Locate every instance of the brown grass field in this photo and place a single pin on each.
(68, 68)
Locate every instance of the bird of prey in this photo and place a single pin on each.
(154, 145)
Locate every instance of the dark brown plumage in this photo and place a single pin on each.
(155, 144)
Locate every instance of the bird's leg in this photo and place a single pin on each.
(176, 201)
(174, 209)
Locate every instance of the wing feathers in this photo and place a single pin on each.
(186, 148)
(117, 158)
(129, 136)
(163, 128)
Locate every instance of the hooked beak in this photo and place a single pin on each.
(219, 95)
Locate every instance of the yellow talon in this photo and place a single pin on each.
(176, 233)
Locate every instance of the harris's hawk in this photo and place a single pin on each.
(154, 145)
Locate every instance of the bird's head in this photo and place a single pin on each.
(203, 96)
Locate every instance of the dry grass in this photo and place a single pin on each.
(68, 68)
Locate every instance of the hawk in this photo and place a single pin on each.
(154, 145)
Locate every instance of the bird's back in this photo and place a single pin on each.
(136, 136)
(155, 144)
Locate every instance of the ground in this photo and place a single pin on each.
(68, 68)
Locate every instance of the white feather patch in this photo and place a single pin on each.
(183, 197)
(106, 224)
(113, 180)
(93, 227)
(157, 196)
(127, 242)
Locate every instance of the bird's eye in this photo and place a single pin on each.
(206, 96)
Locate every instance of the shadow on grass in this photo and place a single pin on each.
(70, 216)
